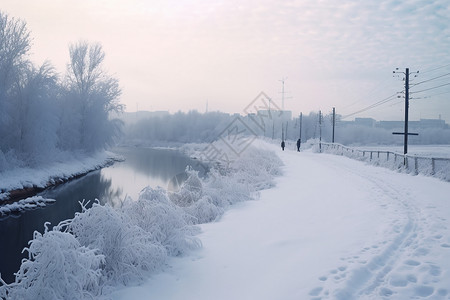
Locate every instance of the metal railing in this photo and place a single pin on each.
(412, 164)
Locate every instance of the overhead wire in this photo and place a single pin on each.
(376, 104)
(392, 97)
(432, 88)
(431, 79)
(431, 70)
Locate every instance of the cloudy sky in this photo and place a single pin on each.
(181, 54)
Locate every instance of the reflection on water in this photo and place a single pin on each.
(142, 167)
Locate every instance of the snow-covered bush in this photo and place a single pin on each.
(164, 221)
(129, 250)
(190, 191)
(206, 199)
(204, 210)
(58, 267)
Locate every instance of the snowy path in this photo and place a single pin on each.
(332, 228)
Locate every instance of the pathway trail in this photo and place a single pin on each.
(408, 261)
(332, 228)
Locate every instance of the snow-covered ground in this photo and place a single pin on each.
(62, 169)
(332, 228)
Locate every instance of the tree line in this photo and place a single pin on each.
(196, 127)
(42, 113)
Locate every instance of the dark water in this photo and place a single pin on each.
(142, 167)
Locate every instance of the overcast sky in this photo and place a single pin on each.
(179, 55)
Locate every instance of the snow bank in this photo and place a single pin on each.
(438, 167)
(64, 168)
(104, 247)
(28, 203)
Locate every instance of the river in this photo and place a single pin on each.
(142, 167)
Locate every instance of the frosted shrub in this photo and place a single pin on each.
(190, 191)
(128, 249)
(58, 267)
(257, 168)
(204, 210)
(207, 199)
(164, 221)
(227, 190)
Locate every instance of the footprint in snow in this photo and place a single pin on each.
(424, 291)
(385, 292)
(411, 262)
(421, 252)
(315, 291)
(434, 270)
(445, 245)
(442, 292)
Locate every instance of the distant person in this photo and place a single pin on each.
(298, 145)
(283, 145)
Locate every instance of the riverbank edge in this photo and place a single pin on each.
(13, 195)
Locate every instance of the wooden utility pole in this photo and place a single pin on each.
(406, 133)
(320, 131)
(300, 134)
(334, 123)
(405, 146)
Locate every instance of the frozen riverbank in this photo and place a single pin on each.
(21, 182)
(103, 247)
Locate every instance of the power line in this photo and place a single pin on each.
(376, 104)
(381, 86)
(432, 88)
(447, 92)
(431, 70)
(431, 79)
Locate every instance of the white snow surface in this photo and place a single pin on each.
(331, 228)
(28, 203)
(63, 168)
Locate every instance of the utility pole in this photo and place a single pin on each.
(405, 133)
(405, 146)
(282, 93)
(320, 131)
(300, 135)
(334, 123)
(286, 130)
(273, 129)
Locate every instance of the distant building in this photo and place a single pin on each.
(392, 125)
(285, 115)
(369, 122)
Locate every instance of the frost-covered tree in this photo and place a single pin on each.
(91, 94)
(36, 117)
(14, 45)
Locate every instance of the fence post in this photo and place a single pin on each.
(387, 156)
(416, 166)
(370, 155)
(378, 154)
(432, 166)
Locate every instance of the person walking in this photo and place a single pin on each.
(283, 145)
(298, 145)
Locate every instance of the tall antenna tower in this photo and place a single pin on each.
(282, 92)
